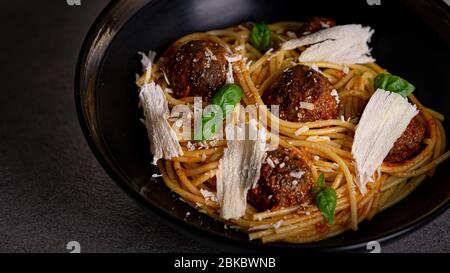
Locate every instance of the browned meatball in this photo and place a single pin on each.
(198, 68)
(408, 144)
(286, 180)
(302, 84)
(315, 24)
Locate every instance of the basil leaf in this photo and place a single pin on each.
(321, 180)
(228, 95)
(319, 183)
(261, 37)
(224, 101)
(326, 202)
(394, 84)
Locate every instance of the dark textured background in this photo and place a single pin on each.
(52, 189)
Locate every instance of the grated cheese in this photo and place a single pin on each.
(208, 195)
(297, 174)
(383, 121)
(335, 94)
(270, 163)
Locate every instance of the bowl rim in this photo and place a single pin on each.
(96, 31)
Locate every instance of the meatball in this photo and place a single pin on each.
(408, 144)
(303, 95)
(197, 68)
(285, 180)
(315, 24)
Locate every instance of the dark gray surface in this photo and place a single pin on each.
(52, 189)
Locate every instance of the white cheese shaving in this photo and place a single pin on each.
(233, 58)
(230, 76)
(190, 146)
(276, 225)
(306, 105)
(346, 69)
(163, 139)
(210, 55)
(238, 170)
(166, 79)
(324, 25)
(147, 63)
(297, 174)
(270, 163)
(383, 121)
(315, 68)
(208, 195)
(301, 130)
(291, 34)
(344, 44)
(335, 94)
(239, 47)
(318, 138)
(249, 64)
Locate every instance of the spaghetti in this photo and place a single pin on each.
(329, 141)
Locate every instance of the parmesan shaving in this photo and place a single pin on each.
(318, 138)
(306, 105)
(383, 121)
(147, 63)
(230, 76)
(238, 170)
(291, 34)
(233, 58)
(163, 139)
(335, 94)
(344, 44)
(209, 196)
(270, 163)
(297, 174)
(301, 130)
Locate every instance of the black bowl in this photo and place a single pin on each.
(106, 97)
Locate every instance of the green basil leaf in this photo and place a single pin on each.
(224, 100)
(326, 202)
(394, 84)
(319, 183)
(261, 36)
(228, 94)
